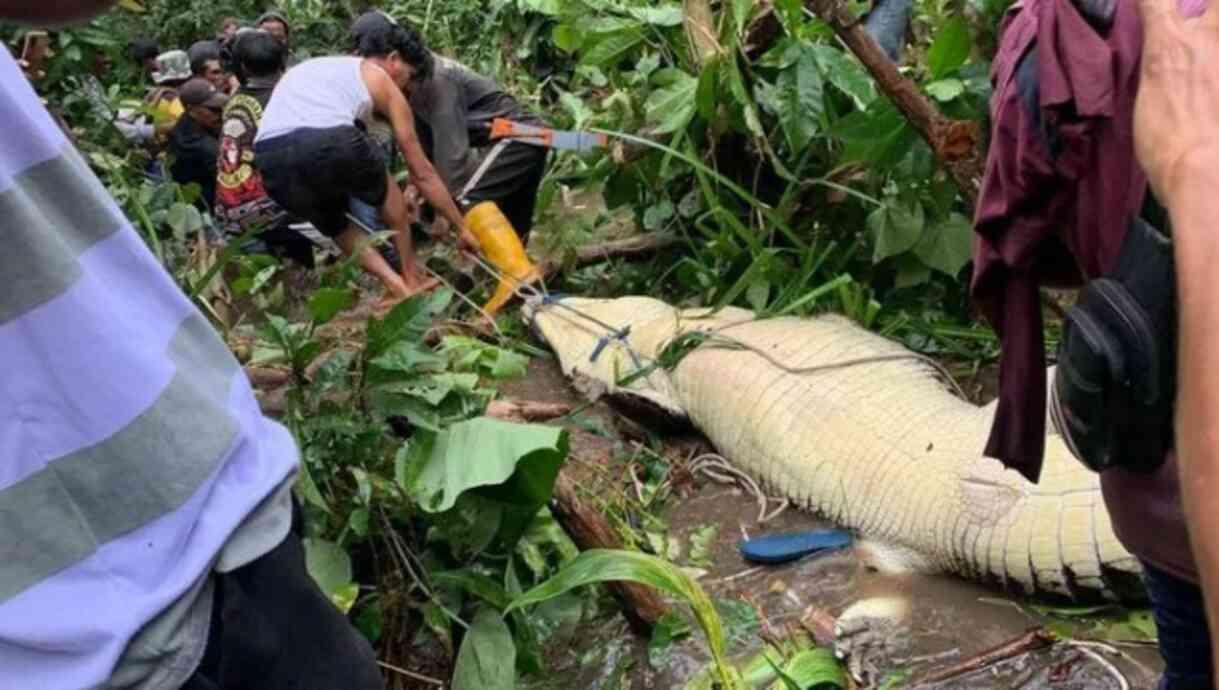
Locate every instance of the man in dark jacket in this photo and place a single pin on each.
(454, 109)
(194, 142)
(242, 203)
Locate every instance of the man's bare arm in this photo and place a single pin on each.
(1177, 139)
(389, 101)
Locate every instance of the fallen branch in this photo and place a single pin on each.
(1033, 640)
(589, 529)
(629, 248)
(956, 143)
(527, 410)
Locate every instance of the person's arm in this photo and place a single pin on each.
(389, 101)
(1177, 140)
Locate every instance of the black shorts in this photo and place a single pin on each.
(314, 173)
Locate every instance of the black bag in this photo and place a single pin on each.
(1113, 394)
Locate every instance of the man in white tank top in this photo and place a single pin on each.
(315, 155)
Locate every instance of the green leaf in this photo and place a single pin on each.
(668, 630)
(950, 49)
(407, 321)
(948, 246)
(470, 526)
(409, 358)
(707, 93)
(487, 659)
(896, 229)
(477, 584)
(945, 90)
(880, 136)
(567, 38)
(741, 11)
(656, 216)
(612, 47)
(326, 303)
(661, 15)
(802, 100)
(514, 464)
(330, 567)
(672, 107)
(602, 565)
(911, 272)
(702, 540)
(846, 74)
(736, 85)
(183, 219)
(509, 365)
(811, 668)
(791, 14)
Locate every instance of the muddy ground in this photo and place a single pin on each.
(952, 621)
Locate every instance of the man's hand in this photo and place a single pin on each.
(1176, 116)
(413, 201)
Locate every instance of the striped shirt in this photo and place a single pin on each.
(134, 460)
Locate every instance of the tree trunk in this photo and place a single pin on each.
(956, 143)
(589, 529)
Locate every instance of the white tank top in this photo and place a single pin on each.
(317, 93)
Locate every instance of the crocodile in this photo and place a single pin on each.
(857, 428)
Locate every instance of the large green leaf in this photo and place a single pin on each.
(475, 583)
(896, 228)
(811, 668)
(612, 47)
(741, 11)
(487, 659)
(950, 49)
(407, 321)
(567, 38)
(603, 565)
(330, 567)
(880, 136)
(802, 100)
(513, 464)
(671, 108)
(326, 303)
(947, 246)
(846, 74)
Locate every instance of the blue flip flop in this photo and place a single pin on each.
(783, 548)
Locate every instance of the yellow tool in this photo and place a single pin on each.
(502, 247)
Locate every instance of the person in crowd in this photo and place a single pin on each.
(144, 52)
(315, 155)
(1058, 203)
(454, 107)
(172, 71)
(194, 143)
(228, 29)
(242, 204)
(205, 63)
(150, 539)
(277, 25)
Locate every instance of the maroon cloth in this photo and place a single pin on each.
(1061, 185)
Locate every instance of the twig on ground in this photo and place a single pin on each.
(1088, 651)
(411, 674)
(1033, 640)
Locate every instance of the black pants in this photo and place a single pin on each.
(1185, 640)
(273, 629)
(512, 183)
(315, 173)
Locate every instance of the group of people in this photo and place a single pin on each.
(272, 141)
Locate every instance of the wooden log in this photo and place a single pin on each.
(589, 529)
(527, 410)
(956, 143)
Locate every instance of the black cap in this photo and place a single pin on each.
(200, 92)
